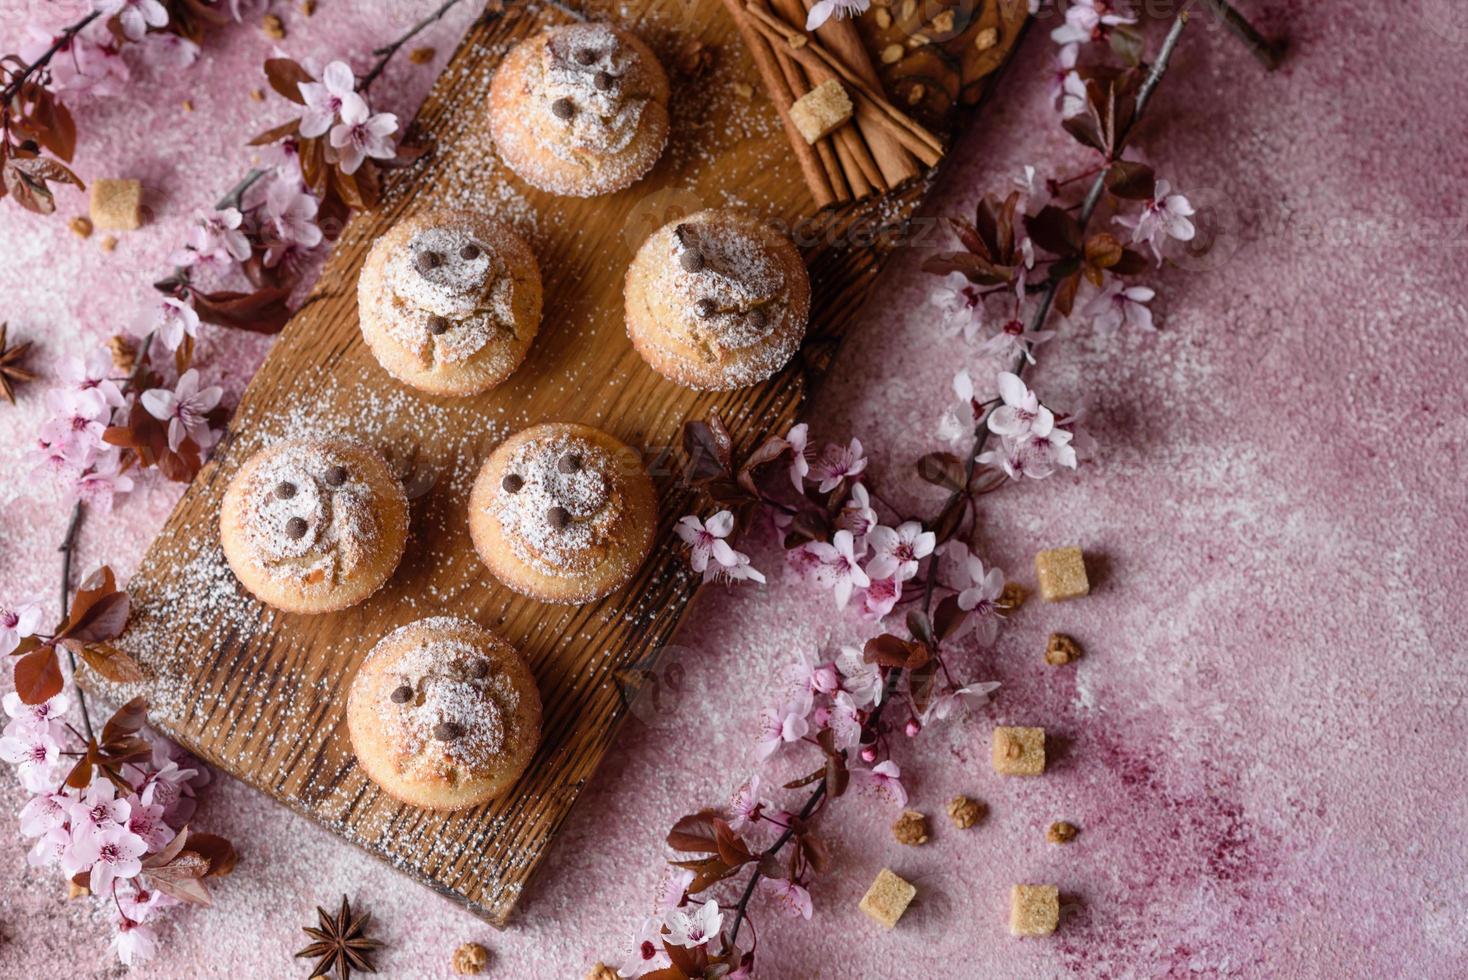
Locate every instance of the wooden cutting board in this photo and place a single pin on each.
(261, 694)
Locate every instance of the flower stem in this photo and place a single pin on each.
(385, 53)
(67, 549)
(1268, 53)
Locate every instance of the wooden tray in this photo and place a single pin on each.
(261, 694)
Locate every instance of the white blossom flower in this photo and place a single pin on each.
(645, 953)
(787, 896)
(1119, 305)
(957, 423)
(798, 439)
(362, 134)
(886, 778)
(745, 805)
(134, 942)
(164, 51)
(328, 99)
(840, 567)
(1014, 341)
(696, 929)
(1021, 416)
(185, 409)
(950, 699)
(15, 625)
(857, 516)
(823, 10)
(961, 304)
(838, 463)
(134, 16)
(35, 756)
(290, 225)
(779, 724)
(1085, 21)
(897, 551)
(711, 555)
(170, 321)
(1165, 216)
(980, 598)
(863, 681)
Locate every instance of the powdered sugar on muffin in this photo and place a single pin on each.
(560, 504)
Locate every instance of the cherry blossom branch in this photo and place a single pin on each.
(67, 549)
(385, 53)
(61, 41)
(1268, 53)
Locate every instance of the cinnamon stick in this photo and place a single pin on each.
(812, 56)
(826, 149)
(856, 158)
(811, 167)
(841, 37)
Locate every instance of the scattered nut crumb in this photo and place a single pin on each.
(124, 355)
(308, 7)
(918, 40)
(75, 891)
(470, 959)
(911, 828)
(188, 105)
(693, 59)
(421, 56)
(884, 18)
(965, 812)
(109, 243)
(81, 226)
(743, 91)
(916, 93)
(257, 95)
(603, 972)
(943, 23)
(797, 41)
(909, 7)
(1061, 650)
(892, 54)
(1062, 832)
(274, 27)
(1012, 597)
(986, 39)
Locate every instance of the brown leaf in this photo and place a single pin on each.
(1133, 181)
(127, 721)
(1103, 250)
(262, 311)
(695, 833)
(943, 470)
(38, 676)
(286, 76)
(1055, 230)
(182, 878)
(732, 849)
(709, 448)
(890, 650)
(219, 852)
(97, 621)
(948, 617)
(108, 661)
(706, 871)
(276, 133)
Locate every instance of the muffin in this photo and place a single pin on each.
(449, 301)
(563, 513)
(443, 714)
(313, 525)
(717, 300)
(580, 110)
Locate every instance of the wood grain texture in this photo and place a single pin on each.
(262, 694)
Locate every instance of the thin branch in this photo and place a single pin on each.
(1268, 53)
(62, 40)
(385, 53)
(67, 549)
(981, 439)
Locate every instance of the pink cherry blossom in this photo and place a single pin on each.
(138, 903)
(840, 569)
(695, 929)
(807, 676)
(1119, 305)
(289, 229)
(214, 238)
(1021, 416)
(100, 483)
(1014, 341)
(961, 304)
(787, 896)
(134, 16)
(979, 598)
(863, 681)
(15, 625)
(823, 10)
(88, 64)
(798, 439)
(645, 953)
(950, 698)
(27, 718)
(780, 724)
(51, 849)
(328, 99)
(1087, 20)
(91, 377)
(1163, 217)
(44, 813)
(956, 425)
(36, 755)
(857, 516)
(185, 409)
(897, 551)
(880, 597)
(838, 463)
(885, 778)
(803, 564)
(745, 805)
(171, 320)
(1061, 76)
(134, 942)
(113, 852)
(146, 820)
(362, 134)
(99, 808)
(844, 721)
(164, 51)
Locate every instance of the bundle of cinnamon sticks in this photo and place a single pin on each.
(880, 148)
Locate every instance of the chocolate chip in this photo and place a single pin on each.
(757, 319)
(285, 490)
(295, 528)
(402, 695)
(469, 252)
(705, 308)
(585, 56)
(558, 517)
(447, 731)
(512, 482)
(691, 260)
(569, 463)
(336, 476)
(479, 669)
(602, 80)
(428, 261)
(563, 108)
(437, 325)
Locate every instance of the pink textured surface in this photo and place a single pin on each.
(1263, 746)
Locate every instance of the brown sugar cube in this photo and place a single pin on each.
(822, 109)
(117, 205)
(1034, 910)
(1019, 751)
(1061, 650)
(887, 899)
(1062, 574)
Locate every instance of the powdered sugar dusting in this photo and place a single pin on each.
(587, 67)
(571, 474)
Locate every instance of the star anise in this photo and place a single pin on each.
(11, 373)
(340, 943)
